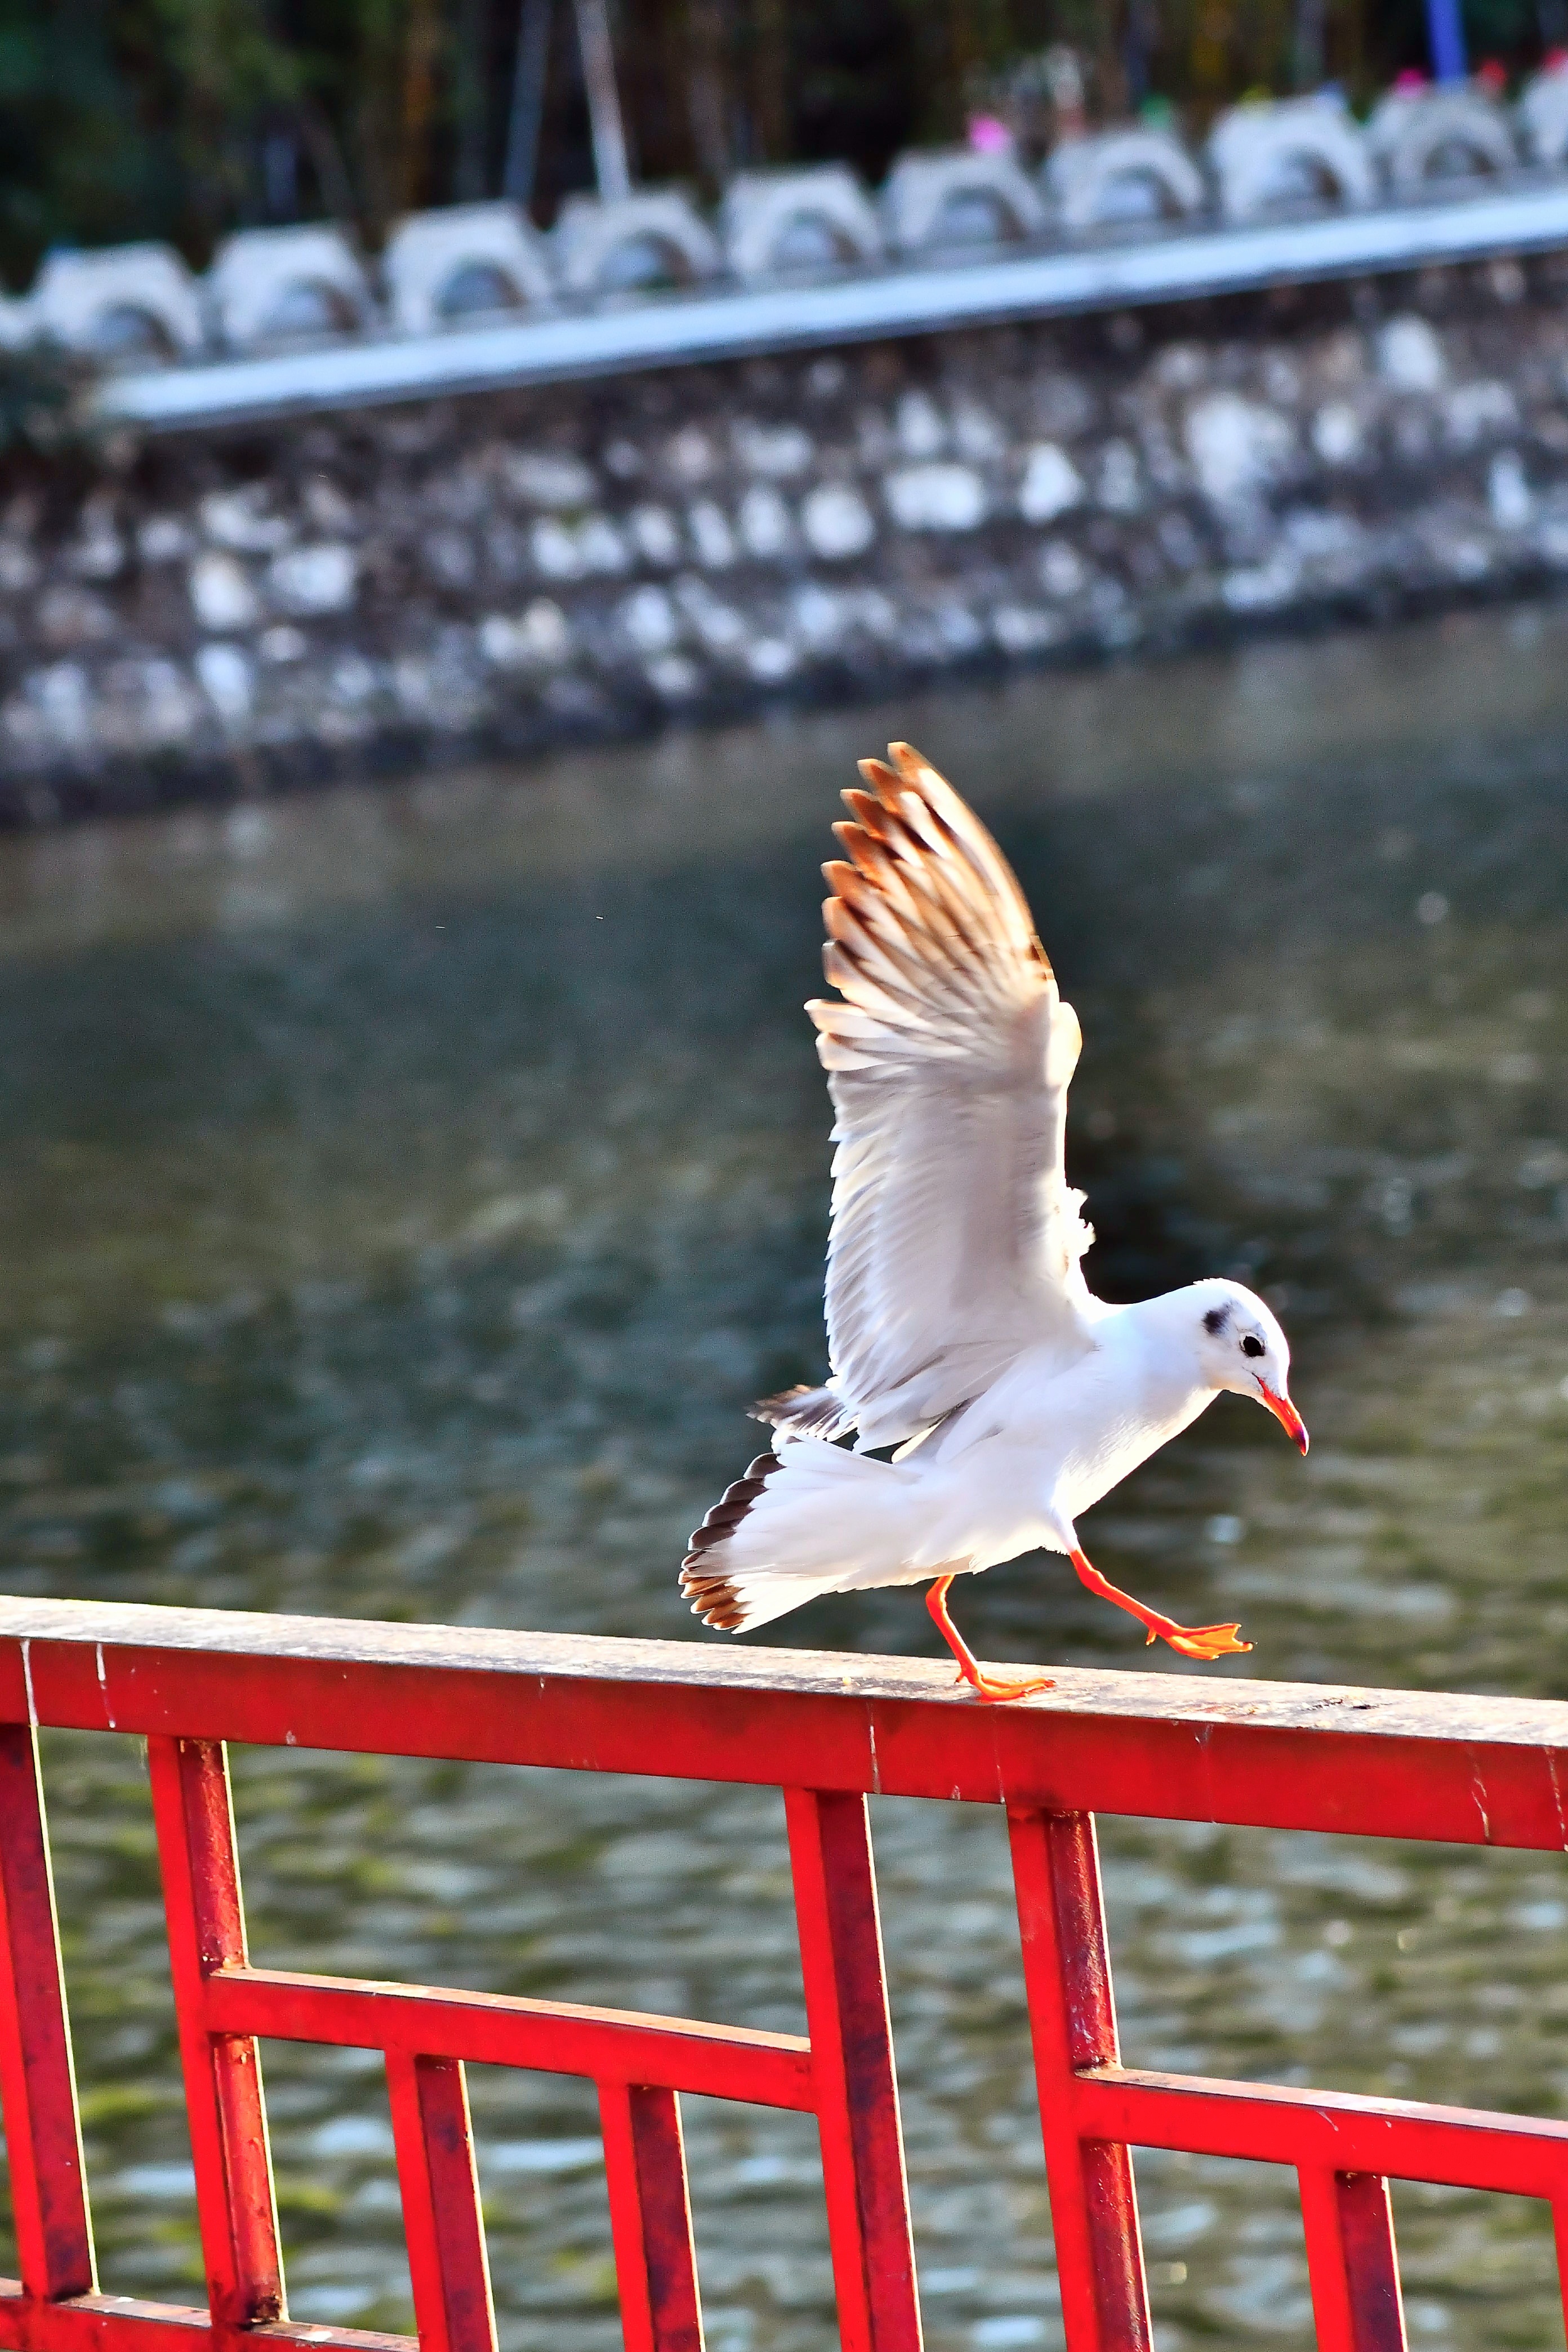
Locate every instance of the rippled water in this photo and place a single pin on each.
(403, 1193)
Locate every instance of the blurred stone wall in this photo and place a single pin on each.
(501, 571)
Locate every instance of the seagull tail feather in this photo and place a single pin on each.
(808, 1519)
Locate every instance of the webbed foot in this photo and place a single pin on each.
(1204, 1641)
(995, 1689)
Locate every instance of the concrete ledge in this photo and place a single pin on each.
(499, 575)
(685, 330)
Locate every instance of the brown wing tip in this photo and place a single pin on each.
(912, 767)
(715, 1601)
(867, 810)
(777, 1407)
(912, 772)
(950, 814)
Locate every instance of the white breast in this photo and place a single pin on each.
(1066, 1437)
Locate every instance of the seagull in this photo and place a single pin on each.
(962, 1333)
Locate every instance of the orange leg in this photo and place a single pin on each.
(1206, 1641)
(970, 1671)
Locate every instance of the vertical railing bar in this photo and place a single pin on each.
(448, 2265)
(37, 2074)
(236, 2204)
(1560, 2237)
(1347, 2221)
(1072, 2023)
(853, 2072)
(1326, 2267)
(650, 2218)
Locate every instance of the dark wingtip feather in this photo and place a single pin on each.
(712, 1596)
(805, 1411)
(777, 1407)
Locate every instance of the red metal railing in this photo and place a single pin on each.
(830, 1732)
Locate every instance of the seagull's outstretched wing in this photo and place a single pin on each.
(955, 1240)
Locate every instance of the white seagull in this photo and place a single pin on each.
(961, 1330)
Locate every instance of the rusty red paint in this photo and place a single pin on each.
(38, 2082)
(447, 2266)
(650, 2218)
(235, 2208)
(852, 2055)
(828, 1733)
(1348, 2226)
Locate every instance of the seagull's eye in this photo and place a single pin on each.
(1252, 1346)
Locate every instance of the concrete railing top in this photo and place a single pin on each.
(730, 322)
(474, 296)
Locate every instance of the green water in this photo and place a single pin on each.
(400, 1195)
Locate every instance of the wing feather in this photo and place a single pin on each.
(956, 1242)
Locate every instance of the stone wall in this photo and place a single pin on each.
(504, 570)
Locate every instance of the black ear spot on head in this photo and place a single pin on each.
(1217, 1319)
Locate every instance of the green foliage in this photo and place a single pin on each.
(44, 404)
(76, 167)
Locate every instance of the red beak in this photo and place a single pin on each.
(1286, 1414)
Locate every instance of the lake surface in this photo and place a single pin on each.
(402, 1194)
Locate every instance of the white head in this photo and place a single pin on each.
(1241, 1347)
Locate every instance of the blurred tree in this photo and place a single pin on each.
(770, 80)
(470, 65)
(224, 70)
(860, 75)
(76, 164)
(709, 86)
(421, 47)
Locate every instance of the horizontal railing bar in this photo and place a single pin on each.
(1458, 2147)
(96, 2323)
(1197, 261)
(1427, 1765)
(605, 2045)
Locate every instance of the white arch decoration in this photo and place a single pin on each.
(283, 285)
(599, 243)
(762, 212)
(429, 255)
(131, 302)
(1542, 115)
(1291, 152)
(1121, 177)
(936, 202)
(1412, 131)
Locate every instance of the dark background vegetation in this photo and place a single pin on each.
(183, 119)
